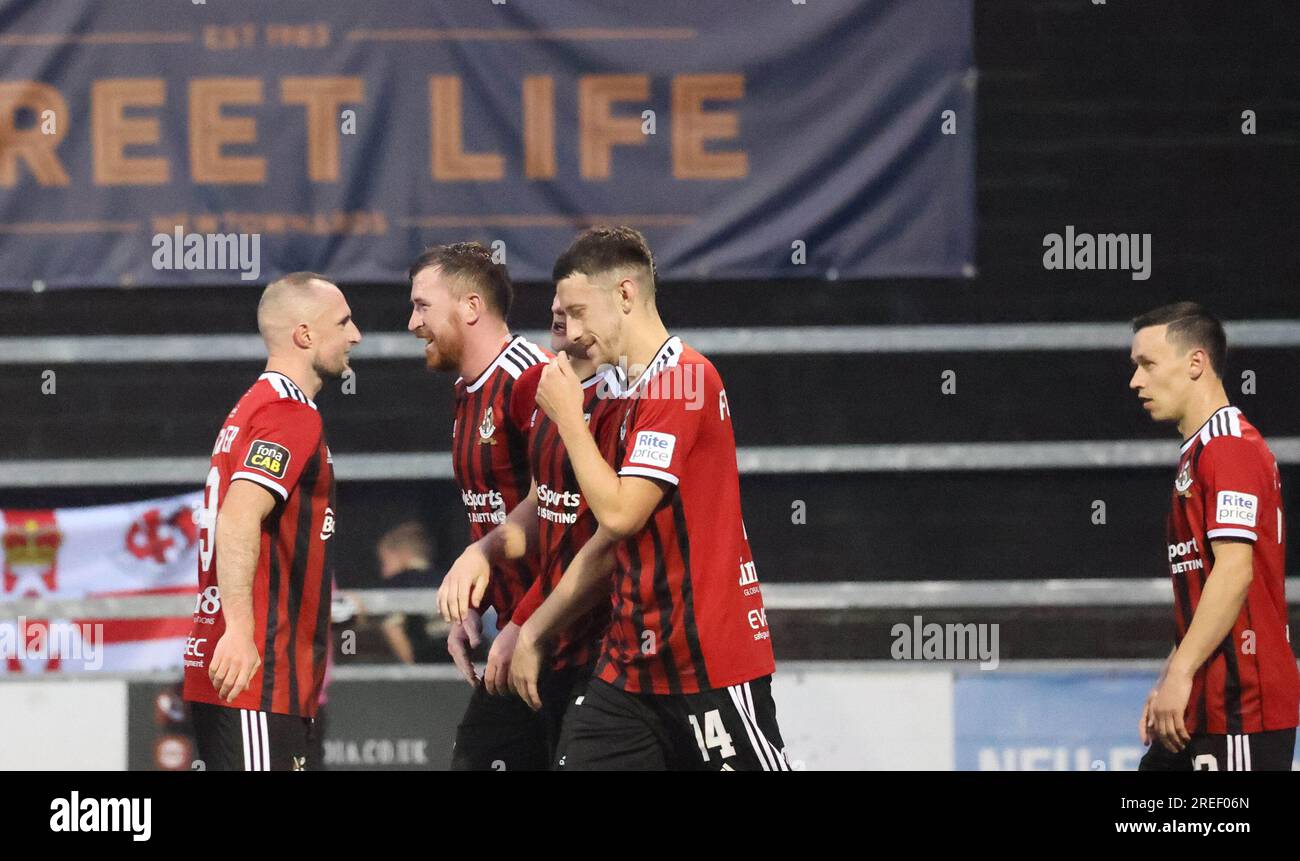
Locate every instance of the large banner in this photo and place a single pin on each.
(141, 548)
(160, 142)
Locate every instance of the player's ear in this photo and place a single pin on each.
(627, 294)
(302, 337)
(1197, 362)
(471, 308)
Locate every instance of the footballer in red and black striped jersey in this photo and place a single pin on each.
(460, 299)
(1229, 697)
(489, 456)
(565, 523)
(255, 661)
(684, 672)
(274, 438)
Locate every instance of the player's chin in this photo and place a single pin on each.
(334, 370)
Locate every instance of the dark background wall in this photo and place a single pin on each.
(1117, 118)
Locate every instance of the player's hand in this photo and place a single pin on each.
(1167, 710)
(525, 667)
(464, 585)
(497, 675)
(1145, 726)
(234, 663)
(559, 393)
(462, 640)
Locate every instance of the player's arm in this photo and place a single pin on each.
(622, 504)
(1221, 601)
(515, 538)
(239, 544)
(1146, 726)
(586, 582)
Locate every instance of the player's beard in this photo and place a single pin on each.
(448, 346)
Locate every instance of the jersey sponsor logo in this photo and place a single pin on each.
(568, 499)
(748, 573)
(268, 457)
(1181, 549)
(1236, 507)
(327, 525)
(1183, 483)
(487, 428)
(488, 499)
(548, 500)
(653, 449)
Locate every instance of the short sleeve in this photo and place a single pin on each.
(661, 433)
(281, 438)
(1236, 485)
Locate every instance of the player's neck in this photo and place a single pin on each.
(302, 376)
(1205, 404)
(481, 349)
(644, 338)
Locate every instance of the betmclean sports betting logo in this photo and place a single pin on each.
(268, 457)
(1234, 507)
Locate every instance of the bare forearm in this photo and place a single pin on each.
(239, 543)
(1216, 612)
(513, 539)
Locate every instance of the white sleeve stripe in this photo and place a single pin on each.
(262, 480)
(1231, 533)
(648, 473)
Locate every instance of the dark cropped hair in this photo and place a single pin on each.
(470, 263)
(598, 250)
(1190, 326)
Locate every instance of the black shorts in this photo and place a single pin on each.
(1256, 751)
(724, 729)
(559, 690)
(231, 739)
(499, 732)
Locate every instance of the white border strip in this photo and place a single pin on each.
(786, 340)
(756, 460)
(901, 595)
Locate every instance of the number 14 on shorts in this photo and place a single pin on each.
(714, 734)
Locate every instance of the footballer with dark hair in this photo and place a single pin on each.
(1229, 694)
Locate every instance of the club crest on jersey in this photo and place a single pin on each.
(487, 428)
(1183, 483)
(268, 457)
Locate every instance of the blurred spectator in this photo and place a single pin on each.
(406, 555)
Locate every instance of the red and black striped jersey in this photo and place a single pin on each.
(1228, 487)
(564, 520)
(688, 609)
(272, 437)
(489, 455)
